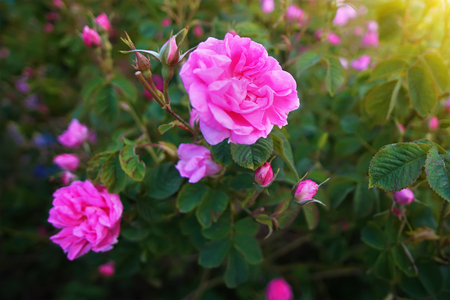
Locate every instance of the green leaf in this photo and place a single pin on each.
(403, 260)
(335, 75)
(438, 69)
(154, 210)
(246, 226)
(306, 60)
(373, 236)
(190, 196)
(126, 87)
(91, 88)
(387, 67)
(422, 90)
(413, 287)
(242, 181)
(312, 216)
(166, 127)
(380, 101)
(163, 181)
(252, 156)
(112, 175)
(283, 147)
(95, 165)
(438, 174)
(431, 277)
(131, 164)
(219, 229)
(249, 247)
(364, 199)
(221, 153)
(237, 269)
(105, 105)
(339, 188)
(396, 167)
(134, 234)
(384, 266)
(213, 203)
(213, 253)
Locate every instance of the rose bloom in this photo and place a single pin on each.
(264, 174)
(90, 37)
(75, 135)
(89, 217)
(196, 162)
(333, 38)
(404, 197)
(67, 162)
(279, 289)
(103, 21)
(361, 63)
(239, 91)
(294, 12)
(306, 190)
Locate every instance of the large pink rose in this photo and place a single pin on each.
(238, 90)
(89, 217)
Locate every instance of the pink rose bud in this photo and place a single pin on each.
(344, 62)
(404, 197)
(90, 37)
(170, 52)
(447, 105)
(433, 124)
(198, 31)
(344, 14)
(333, 38)
(89, 217)
(359, 30)
(267, 6)
(193, 118)
(103, 21)
(305, 190)
(279, 289)
(264, 174)
(58, 3)
(165, 22)
(401, 128)
(107, 269)
(75, 135)
(196, 162)
(361, 63)
(294, 13)
(370, 39)
(67, 162)
(67, 177)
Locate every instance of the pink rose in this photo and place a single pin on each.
(404, 197)
(333, 38)
(58, 3)
(67, 162)
(90, 37)
(264, 174)
(89, 217)
(372, 26)
(198, 31)
(75, 135)
(165, 22)
(267, 6)
(433, 124)
(238, 90)
(306, 190)
(103, 21)
(370, 39)
(107, 269)
(196, 162)
(343, 15)
(279, 289)
(67, 177)
(361, 63)
(294, 12)
(447, 105)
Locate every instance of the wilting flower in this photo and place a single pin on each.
(67, 162)
(238, 90)
(279, 289)
(404, 197)
(67, 177)
(90, 37)
(103, 21)
(107, 269)
(75, 135)
(433, 124)
(361, 63)
(344, 14)
(196, 162)
(264, 174)
(89, 217)
(267, 6)
(306, 190)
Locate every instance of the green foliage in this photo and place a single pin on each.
(222, 153)
(190, 196)
(437, 168)
(335, 75)
(105, 103)
(163, 181)
(131, 164)
(112, 175)
(252, 156)
(422, 90)
(212, 204)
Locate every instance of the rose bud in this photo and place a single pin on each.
(67, 162)
(404, 197)
(433, 124)
(170, 53)
(306, 190)
(90, 37)
(279, 289)
(67, 177)
(166, 22)
(107, 269)
(264, 175)
(401, 128)
(103, 21)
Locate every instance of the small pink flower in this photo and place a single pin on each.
(359, 30)
(344, 14)
(333, 38)
(67, 177)
(447, 105)
(107, 269)
(306, 190)
(75, 135)
(89, 217)
(264, 174)
(370, 39)
(361, 63)
(267, 6)
(404, 197)
(372, 26)
(103, 21)
(198, 31)
(58, 3)
(193, 117)
(48, 27)
(279, 289)
(196, 162)
(294, 13)
(344, 62)
(318, 34)
(90, 37)
(52, 16)
(433, 124)
(166, 22)
(401, 128)
(67, 162)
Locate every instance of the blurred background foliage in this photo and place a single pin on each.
(355, 250)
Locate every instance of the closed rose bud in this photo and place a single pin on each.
(103, 21)
(67, 162)
(333, 38)
(90, 37)
(264, 174)
(447, 105)
(107, 269)
(404, 197)
(170, 53)
(433, 124)
(279, 289)
(67, 177)
(306, 190)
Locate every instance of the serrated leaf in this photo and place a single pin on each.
(154, 210)
(252, 156)
(126, 87)
(131, 164)
(221, 153)
(335, 75)
(105, 103)
(387, 67)
(312, 216)
(380, 99)
(95, 164)
(249, 247)
(438, 69)
(283, 147)
(373, 236)
(190, 196)
(306, 60)
(237, 269)
(246, 226)
(166, 127)
(438, 174)
(213, 253)
(422, 90)
(163, 181)
(396, 167)
(403, 260)
(213, 202)
(112, 175)
(430, 276)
